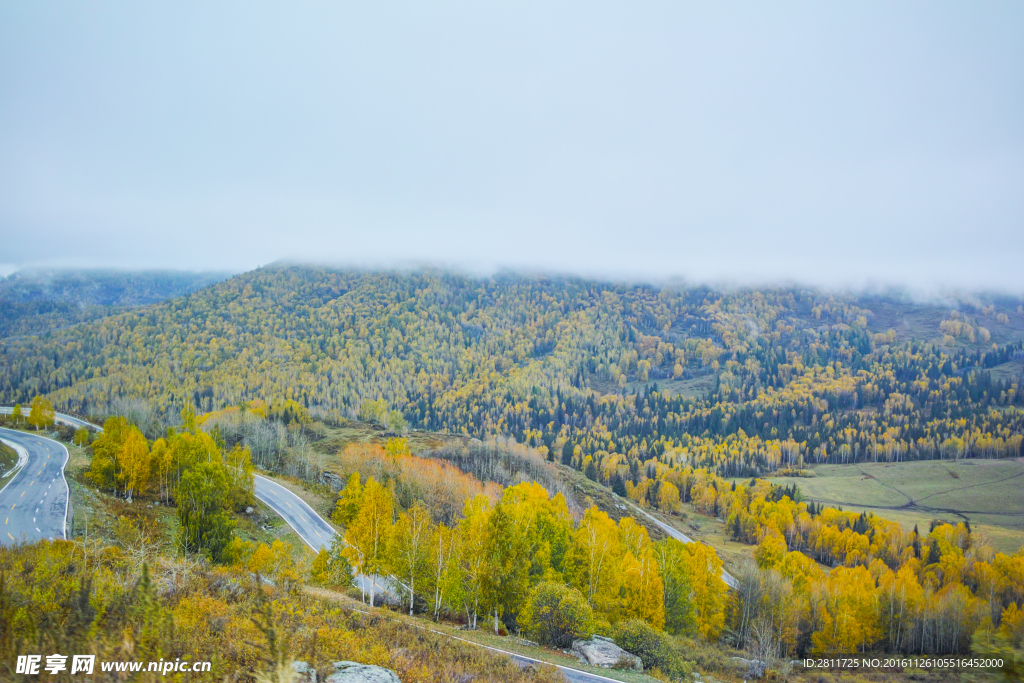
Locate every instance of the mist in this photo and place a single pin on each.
(860, 145)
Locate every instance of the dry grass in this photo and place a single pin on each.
(8, 459)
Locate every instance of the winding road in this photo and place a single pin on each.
(311, 527)
(317, 534)
(34, 504)
(728, 578)
(59, 417)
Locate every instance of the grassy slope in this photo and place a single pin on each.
(986, 492)
(921, 320)
(8, 459)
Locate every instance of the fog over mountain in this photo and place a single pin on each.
(853, 145)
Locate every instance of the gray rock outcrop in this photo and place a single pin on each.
(603, 652)
(754, 668)
(353, 672)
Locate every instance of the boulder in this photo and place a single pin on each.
(334, 481)
(754, 668)
(600, 651)
(353, 672)
(249, 510)
(306, 673)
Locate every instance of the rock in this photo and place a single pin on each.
(249, 510)
(601, 651)
(334, 481)
(231, 588)
(353, 672)
(754, 668)
(263, 580)
(307, 674)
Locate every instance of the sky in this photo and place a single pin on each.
(841, 144)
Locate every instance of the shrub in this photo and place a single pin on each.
(556, 615)
(653, 648)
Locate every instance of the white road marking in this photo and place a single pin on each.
(37, 529)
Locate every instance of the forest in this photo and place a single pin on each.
(578, 368)
(38, 301)
(677, 399)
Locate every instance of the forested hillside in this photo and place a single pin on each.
(600, 375)
(36, 302)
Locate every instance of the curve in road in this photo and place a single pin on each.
(317, 534)
(34, 504)
(311, 527)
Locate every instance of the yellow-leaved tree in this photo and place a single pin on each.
(642, 587)
(598, 561)
(410, 550)
(369, 534)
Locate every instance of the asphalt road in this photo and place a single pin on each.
(59, 417)
(310, 526)
(34, 504)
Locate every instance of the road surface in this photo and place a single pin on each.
(728, 578)
(34, 504)
(310, 526)
(59, 417)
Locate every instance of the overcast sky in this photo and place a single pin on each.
(832, 143)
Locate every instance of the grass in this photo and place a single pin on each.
(921, 321)
(8, 459)
(338, 437)
(1011, 371)
(985, 492)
